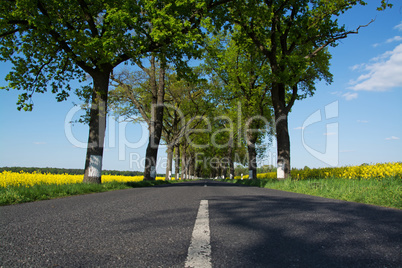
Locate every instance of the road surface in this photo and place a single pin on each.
(223, 225)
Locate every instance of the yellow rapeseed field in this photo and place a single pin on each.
(8, 178)
(375, 171)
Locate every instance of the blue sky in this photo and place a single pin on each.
(355, 120)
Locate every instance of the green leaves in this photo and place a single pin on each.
(51, 42)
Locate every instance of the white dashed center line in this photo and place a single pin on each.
(199, 251)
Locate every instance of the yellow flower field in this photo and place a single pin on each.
(375, 171)
(8, 178)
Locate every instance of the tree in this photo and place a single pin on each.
(185, 104)
(53, 42)
(157, 96)
(143, 93)
(244, 79)
(294, 36)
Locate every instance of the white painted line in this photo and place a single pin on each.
(199, 251)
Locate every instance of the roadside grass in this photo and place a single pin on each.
(20, 194)
(386, 192)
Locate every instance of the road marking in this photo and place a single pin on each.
(199, 251)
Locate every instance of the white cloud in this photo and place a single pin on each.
(393, 39)
(39, 142)
(398, 27)
(350, 96)
(383, 74)
(362, 121)
(357, 67)
(392, 138)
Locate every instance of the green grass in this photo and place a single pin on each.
(15, 195)
(386, 192)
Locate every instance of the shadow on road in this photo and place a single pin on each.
(278, 231)
(201, 183)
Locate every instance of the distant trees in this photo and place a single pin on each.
(143, 93)
(170, 105)
(245, 83)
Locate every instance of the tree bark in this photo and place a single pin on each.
(191, 166)
(224, 170)
(213, 172)
(97, 127)
(231, 168)
(177, 162)
(283, 146)
(183, 164)
(169, 162)
(230, 159)
(156, 126)
(252, 155)
(282, 132)
(252, 161)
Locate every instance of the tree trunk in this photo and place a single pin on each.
(198, 171)
(252, 155)
(177, 162)
(191, 167)
(231, 168)
(224, 170)
(213, 172)
(183, 164)
(230, 159)
(97, 127)
(283, 147)
(252, 161)
(169, 162)
(282, 132)
(156, 126)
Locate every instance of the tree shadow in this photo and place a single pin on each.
(202, 183)
(277, 231)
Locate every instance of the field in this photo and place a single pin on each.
(377, 184)
(24, 179)
(362, 172)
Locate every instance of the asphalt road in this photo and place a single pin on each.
(152, 227)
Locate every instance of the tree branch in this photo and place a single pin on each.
(130, 94)
(16, 22)
(88, 18)
(335, 38)
(292, 99)
(63, 44)
(9, 33)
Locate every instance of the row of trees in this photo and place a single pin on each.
(264, 55)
